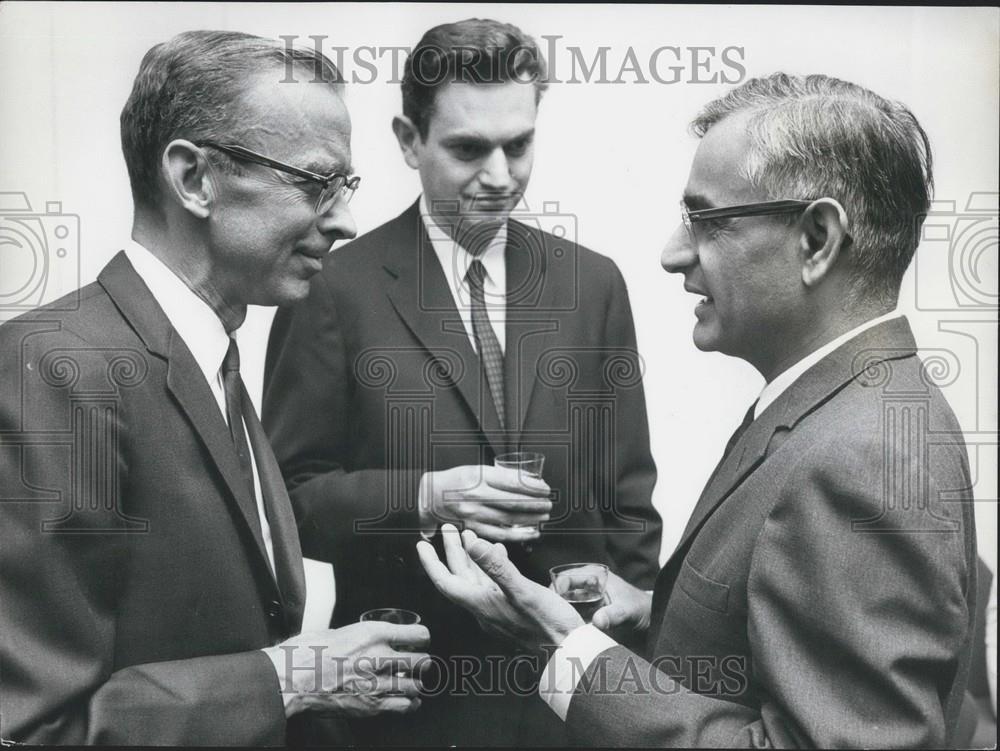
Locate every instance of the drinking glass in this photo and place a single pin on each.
(582, 585)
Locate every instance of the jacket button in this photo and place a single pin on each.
(273, 609)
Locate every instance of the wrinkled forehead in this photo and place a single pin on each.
(305, 124)
(719, 165)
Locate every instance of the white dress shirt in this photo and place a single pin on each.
(206, 338)
(777, 387)
(570, 660)
(455, 261)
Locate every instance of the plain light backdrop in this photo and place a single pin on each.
(614, 157)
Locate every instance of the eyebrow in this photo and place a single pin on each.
(324, 168)
(456, 139)
(696, 201)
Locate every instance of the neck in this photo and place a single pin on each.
(807, 341)
(474, 236)
(190, 260)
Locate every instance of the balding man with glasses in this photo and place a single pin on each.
(150, 569)
(822, 593)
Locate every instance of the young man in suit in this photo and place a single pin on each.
(822, 594)
(448, 336)
(150, 570)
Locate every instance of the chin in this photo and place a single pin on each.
(289, 293)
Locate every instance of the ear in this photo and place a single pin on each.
(824, 236)
(188, 175)
(408, 137)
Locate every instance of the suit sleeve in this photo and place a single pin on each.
(634, 553)
(855, 638)
(308, 388)
(59, 589)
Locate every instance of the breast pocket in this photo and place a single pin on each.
(705, 591)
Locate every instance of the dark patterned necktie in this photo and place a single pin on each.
(233, 386)
(490, 354)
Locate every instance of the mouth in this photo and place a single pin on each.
(493, 203)
(706, 298)
(313, 259)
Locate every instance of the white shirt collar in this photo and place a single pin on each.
(777, 387)
(192, 318)
(455, 260)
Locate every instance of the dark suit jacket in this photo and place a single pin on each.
(823, 591)
(372, 381)
(135, 598)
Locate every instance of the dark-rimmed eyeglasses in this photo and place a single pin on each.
(765, 208)
(334, 185)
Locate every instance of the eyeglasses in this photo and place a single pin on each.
(766, 208)
(334, 185)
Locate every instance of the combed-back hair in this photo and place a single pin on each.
(476, 50)
(819, 137)
(192, 87)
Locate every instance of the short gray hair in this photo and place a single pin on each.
(820, 137)
(191, 87)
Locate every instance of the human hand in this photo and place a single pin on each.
(628, 608)
(480, 578)
(359, 670)
(497, 503)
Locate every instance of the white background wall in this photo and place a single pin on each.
(615, 156)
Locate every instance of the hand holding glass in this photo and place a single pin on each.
(582, 585)
(529, 463)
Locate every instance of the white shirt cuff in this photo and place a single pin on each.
(568, 664)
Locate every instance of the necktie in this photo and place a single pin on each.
(740, 430)
(233, 386)
(490, 354)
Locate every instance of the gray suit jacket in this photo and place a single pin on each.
(136, 592)
(822, 593)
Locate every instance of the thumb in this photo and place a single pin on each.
(610, 616)
(492, 559)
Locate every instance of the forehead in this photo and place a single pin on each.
(306, 124)
(716, 171)
(489, 110)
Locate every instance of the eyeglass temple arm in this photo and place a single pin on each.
(253, 156)
(752, 209)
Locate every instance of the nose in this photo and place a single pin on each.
(679, 253)
(337, 222)
(495, 172)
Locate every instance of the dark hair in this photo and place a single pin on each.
(476, 50)
(190, 87)
(816, 137)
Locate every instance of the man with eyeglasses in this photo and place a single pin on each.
(150, 570)
(455, 333)
(822, 594)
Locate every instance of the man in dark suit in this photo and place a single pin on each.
(150, 570)
(822, 594)
(448, 336)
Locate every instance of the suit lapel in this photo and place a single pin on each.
(532, 293)
(184, 381)
(420, 295)
(284, 533)
(890, 340)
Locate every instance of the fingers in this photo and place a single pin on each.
(458, 559)
(610, 616)
(443, 579)
(408, 638)
(516, 504)
(515, 481)
(498, 533)
(492, 559)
